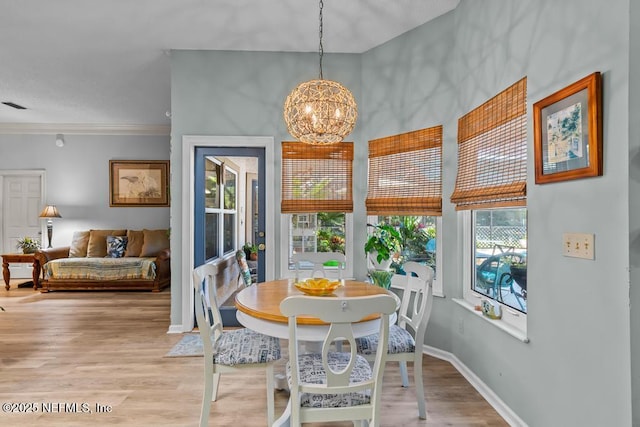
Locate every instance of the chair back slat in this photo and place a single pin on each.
(417, 299)
(338, 332)
(318, 261)
(207, 313)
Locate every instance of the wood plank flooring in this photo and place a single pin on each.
(104, 351)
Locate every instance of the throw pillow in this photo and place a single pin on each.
(116, 246)
(135, 239)
(79, 244)
(154, 242)
(98, 242)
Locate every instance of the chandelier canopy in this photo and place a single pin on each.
(320, 111)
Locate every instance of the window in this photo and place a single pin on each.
(316, 232)
(316, 200)
(405, 191)
(500, 254)
(221, 196)
(490, 192)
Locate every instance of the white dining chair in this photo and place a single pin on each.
(319, 264)
(406, 337)
(228, 351)
(335, 386)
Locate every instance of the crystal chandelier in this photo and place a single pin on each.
(320, 111)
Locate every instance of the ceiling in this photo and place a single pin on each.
(81, 64)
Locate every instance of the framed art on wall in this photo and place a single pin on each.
(138, 183)
(567, 131)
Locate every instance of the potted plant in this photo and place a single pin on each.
(250, 250)
(383, 243)
(28, 245)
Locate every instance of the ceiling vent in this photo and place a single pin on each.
(16, 106)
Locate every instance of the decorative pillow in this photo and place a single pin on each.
(97, 247)
(135, 239)
(154, 242)
(245, 272)
(79, 244)
(116, 246)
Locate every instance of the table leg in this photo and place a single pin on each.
(6, 275)
(35, 274)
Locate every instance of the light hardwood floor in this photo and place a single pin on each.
(107, 348)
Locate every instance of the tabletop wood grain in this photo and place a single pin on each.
(263, 299)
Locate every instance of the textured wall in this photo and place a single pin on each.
(77, 177)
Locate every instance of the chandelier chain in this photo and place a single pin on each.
(320, 48)
(320, 111)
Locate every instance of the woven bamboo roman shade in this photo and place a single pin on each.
(492, 152)
(317, 178)
(405, 174)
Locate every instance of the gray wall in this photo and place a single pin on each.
(576, 370)
(578, 322)
(77, 178)
(634, 203)
(241, 93)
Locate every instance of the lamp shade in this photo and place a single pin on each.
(50, 211)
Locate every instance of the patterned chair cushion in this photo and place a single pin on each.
(400, 341)
(311, 371)
(243, 346)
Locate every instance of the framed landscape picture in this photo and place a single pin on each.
(138, 183)
(567, 131)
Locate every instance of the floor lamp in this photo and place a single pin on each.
(50, 211)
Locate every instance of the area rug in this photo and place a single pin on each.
(188, 346)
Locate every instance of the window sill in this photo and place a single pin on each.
(514, 332)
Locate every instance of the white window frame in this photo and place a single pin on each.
(234, 169)
(221, 211)
(513, 321)
(285, 221)
(437, 288)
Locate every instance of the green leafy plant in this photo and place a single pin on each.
(28, 244)
(381, 278)
(249, 249)
(385, 240)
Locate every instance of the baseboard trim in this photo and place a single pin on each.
(489, 395)
(175, 329)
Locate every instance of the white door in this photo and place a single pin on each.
(21, 204)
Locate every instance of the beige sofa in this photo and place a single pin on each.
(106, 260)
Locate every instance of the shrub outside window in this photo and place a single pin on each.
(318, 232)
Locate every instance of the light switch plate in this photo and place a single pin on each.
(578, 245)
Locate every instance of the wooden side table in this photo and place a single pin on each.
(16, 259)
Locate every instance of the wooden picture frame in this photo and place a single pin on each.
(138, 183)
(567, 131)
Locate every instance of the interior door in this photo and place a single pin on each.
(21, 204)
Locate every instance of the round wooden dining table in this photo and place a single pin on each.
(259, 309)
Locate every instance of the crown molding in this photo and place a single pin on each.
(83, 129)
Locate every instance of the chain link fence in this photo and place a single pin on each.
(507, 235)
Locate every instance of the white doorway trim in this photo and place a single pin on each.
(189, 142)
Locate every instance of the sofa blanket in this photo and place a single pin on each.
(101, 268)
